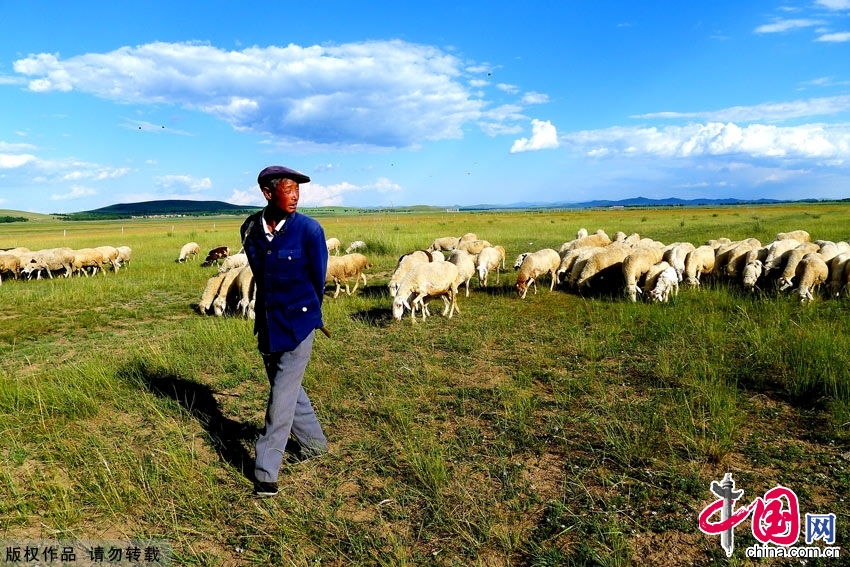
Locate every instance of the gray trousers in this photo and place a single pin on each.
(289, 411)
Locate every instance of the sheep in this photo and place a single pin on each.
(789, 271)
(473, 246)
(650, 281)
(50, 260)
(188, 251)
(403, 266)
(675, 255)
(751, 273)
(124, 255)
(87, 258)
(9, 264)
(215, 256)
(579, 256)
(341, 268)
(837, 267)
(632, 240)
(110, 255)
(489, 259)
(777, 253)
(800, 235)
(597, 239)
(519, 260)
(247, 288)
(545, 261)
(829, 250)
(465, 267)
(444, 243)
(728, 257)
(668, 281)
(355, 246)
(581, 233)
(608, 257)
(468, 237)
(233, 262)
(334, 245)
(226, 291)
(436, 255)
(811, 272)
(210, 293)
(435, 279)
(636, 265)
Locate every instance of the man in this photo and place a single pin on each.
(287, 253)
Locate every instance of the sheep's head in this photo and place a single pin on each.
(399, 305)
(521, 286)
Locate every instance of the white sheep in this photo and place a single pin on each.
(467, 237)
(448, 243)
(354, 246)
(545, 261)
(403, 266)
(675, 255)
(334, 245)
(489, 259)
(10, 264)
(210, 293)
(227, 291)
(581, 233)
(424, 281)
(608, 257)
(473, 246)
(829, 250)
(110, 255)
(800, 235)
(811, 272)
(188, 251)
(87, 258)
(789, 270)
(342, 268)
(650, 280)
(576, 265)
(777, 253)
(636, 265)
(698, 263)
(667, 282)
(519, 260)
(465, 267)
(837, 265)
(599, 238)
(751, 273)
(125, 253)
(233, 262)
(50, 260)
(247, 289)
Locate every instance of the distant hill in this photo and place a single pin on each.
(165, 208)
(632, 202)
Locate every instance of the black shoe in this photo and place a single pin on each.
(265, 489)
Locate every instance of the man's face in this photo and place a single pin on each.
(285, 196)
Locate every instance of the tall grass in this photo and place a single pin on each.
(555, 430)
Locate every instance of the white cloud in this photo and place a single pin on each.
(252, 197)
(821, 143)
(77, 192)
(544, 136)
(834, 4)
(535, 98)
(192, 183)
(316, 194)
(510, 89)
(368, 94)
(787, 25)
(841, 37)
(13, 161)
(771, 111)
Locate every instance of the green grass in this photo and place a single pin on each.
(555, 430)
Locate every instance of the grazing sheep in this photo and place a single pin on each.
(545, 261)
(188, 251)
(216, 255)
(698, 263)
(829, 250)
(342, 268)
(355, 246)
(581, 233)
(837, 267)
(650, 281)
(334, 245)
(777, 253)
(233, 262)
(473, 246)
(87, 258)
(465, 267)
(599, 238)
(751, 273)
(210, 293)
(448, 243)
(675, 255)
(247, 290)
(636, 265)
(227, 291)
(9, 264)
(436, 255)
(580, 257)
(125, 253)
(468, 237)
(789, 271)
(489, 259)
(519, 260)
(110, 255)
(403, 266)
(51, 260)
(667, 282)
(610, 256)
(423, 281)
(728, 257)
(800, 235)
(811, 272)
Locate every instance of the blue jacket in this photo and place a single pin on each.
(290, 274)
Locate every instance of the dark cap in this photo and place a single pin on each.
(280, 172)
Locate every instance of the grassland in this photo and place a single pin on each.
(555, 430)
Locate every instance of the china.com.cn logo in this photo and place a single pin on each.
(775, 520)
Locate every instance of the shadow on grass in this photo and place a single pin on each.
(226, 435)
(376, 317)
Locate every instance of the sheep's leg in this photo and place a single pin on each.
(497, 275)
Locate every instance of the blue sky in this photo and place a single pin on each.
(440, 103)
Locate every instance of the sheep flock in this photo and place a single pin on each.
(23, 263)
